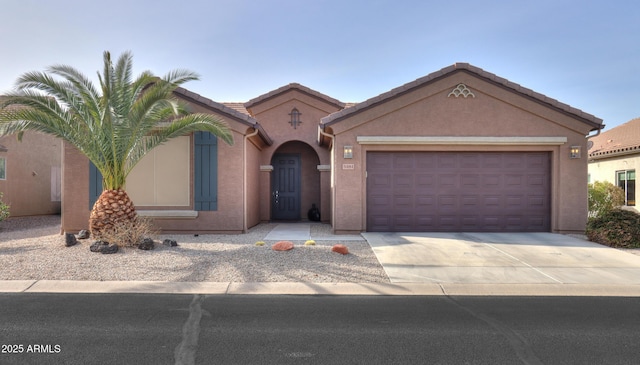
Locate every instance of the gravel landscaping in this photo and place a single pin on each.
(32, 248)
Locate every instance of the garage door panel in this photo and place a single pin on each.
(403, 161)
(458, 191)
(447, 161)
(403, 181)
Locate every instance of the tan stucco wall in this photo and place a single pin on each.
(75, 190)
(605, 169)
(29, 164)
(274, 116)
(227, 218)
(253, 184)
(493, 112)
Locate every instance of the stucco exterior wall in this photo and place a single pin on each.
(253, 184)
(75, 190)
(227, 218)
(229, 215)
(32, 184)
(273, 115)
(493, 112)
(605, 169)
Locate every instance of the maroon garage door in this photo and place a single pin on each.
(458, 191)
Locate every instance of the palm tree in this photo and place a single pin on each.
(114, 126)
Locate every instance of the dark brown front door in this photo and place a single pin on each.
(458, 191)
(285, 187)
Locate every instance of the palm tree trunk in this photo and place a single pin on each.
(112, 207)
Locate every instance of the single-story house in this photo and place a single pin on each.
(460, 149)
(614, 156)
(30, 174)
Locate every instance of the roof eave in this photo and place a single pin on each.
(225, 111)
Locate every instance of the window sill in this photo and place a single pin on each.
(168, 214)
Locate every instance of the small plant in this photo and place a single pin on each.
(4, 209)
(260, 243)
(310, 243)
(129, 233)
(616, 228)
(603, 198)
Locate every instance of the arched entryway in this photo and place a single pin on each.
(295, 181)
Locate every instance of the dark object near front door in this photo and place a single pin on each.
(285, 188)
(314, 213)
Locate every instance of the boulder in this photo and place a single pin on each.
(146, 244)
(282, 246)
(339, 248)
(170, 243)
(83, 234)
(97, 246)
(70, 239)
(109, 248)
(103, 247)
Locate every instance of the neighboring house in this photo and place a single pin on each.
(614, 156)
(460, 149)
(30, 173)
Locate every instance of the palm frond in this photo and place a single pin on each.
(114, 124)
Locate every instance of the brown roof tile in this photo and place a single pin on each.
(589, 119)
(226, 111)
(621, 140)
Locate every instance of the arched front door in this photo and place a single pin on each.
(286, 187)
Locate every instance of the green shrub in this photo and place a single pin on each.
(604, 197)
(616, 228)
(4, 209)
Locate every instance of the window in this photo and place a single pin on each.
(626, 180)
(162, 177)
(3, 168)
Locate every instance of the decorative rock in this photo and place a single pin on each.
(282, 246)
(340, 249)
(83, 234)
(97, 246)
(110, 248)
(170, 243)
(146, 244)
(70, 239)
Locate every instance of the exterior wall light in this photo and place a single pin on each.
(348, 151)
(574, 152)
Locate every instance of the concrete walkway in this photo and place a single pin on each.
(501, 258)
(302, 232)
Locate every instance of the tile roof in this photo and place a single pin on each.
(293, 86)
(621, 140)
(595, 122)
(225, 110)
(237, 106)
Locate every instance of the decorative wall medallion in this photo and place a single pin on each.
(461, 90)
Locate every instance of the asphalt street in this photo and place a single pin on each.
(284, 329)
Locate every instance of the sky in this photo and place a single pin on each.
(584, 53)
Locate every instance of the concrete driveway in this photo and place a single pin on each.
(501, 258)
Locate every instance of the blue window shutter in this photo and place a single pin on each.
(206, 171)
(95, 184)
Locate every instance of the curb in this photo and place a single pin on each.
(298, 288)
